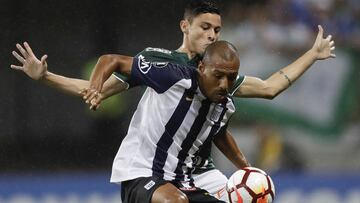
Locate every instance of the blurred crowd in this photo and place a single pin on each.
(289, 24)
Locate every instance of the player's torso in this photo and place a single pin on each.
(202, 161)
(170, 130)
(172, 121)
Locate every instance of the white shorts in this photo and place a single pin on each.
(214, 182)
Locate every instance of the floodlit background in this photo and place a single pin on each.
(53, 149)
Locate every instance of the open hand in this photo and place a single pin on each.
(30, 65)
(323, 47)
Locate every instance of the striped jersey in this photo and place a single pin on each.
(204, 161)
(170, 125)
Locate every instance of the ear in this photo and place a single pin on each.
(201, 67)
(184, 26)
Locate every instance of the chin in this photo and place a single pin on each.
(201, 51)
(216, 100)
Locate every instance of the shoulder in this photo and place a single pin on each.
(155, 53)
(170, 69)
(160, 75)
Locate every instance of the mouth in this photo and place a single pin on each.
(221, 96)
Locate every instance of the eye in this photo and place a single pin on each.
(217, 30)
(232, 77)
(218, 75)
(205, 26)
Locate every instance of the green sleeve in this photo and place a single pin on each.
(239, 80)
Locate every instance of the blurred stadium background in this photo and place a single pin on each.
(53, 149)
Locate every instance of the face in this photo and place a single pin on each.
(203, 30)
(216, 79)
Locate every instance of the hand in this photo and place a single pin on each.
(92, 97)
(31, 66)
(323, 47)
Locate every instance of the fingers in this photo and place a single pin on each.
(28, 49)
(92, 95)
(18, 57)
(83, 91)
(321, 31)
(16, 67)
(331, 43)
(43, 59)
(332, 47)
(89, 94)
(328, 38)
(22, 50)
(94, 105)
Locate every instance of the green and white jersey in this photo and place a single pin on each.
(157, 56)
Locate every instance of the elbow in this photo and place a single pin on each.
(113, 62)
(271, 93)
(106, 58)
(113, 59)
(272, 90)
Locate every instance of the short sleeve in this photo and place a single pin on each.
(239, 80)
(158, 75)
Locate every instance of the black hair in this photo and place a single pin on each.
(196, 7)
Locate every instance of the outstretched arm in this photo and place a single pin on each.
(105, 67)
(227, 145)
(37, 70)
(278, 82)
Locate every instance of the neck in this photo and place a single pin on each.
(184, 48)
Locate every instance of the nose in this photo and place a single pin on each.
(212, 35)
(223, 84)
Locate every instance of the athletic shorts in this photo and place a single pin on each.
(212, 181)
(140, 190)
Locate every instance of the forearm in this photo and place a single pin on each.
(282, 79)
(106, 66)
(113, 86)
(227, 145)
(67, 85)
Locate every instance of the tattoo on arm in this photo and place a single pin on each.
(286, 77)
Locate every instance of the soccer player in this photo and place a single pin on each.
(181, 109)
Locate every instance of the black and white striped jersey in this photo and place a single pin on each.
(171, 123)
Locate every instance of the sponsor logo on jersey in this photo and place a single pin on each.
(149, 185)
(159, 64)
(165, 51)
(144, 65)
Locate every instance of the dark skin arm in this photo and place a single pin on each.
(104, 68)
(226, 144)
